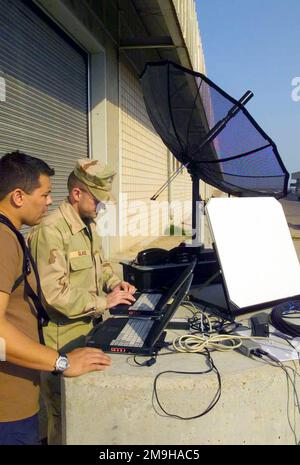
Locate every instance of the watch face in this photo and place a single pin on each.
(62, 363)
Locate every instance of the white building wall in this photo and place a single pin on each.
(187, 18)
(181, 196)
(144, 167)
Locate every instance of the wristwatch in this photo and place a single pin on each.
(61, 364)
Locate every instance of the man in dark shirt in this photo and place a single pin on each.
(24, 198)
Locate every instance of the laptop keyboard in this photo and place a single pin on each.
(134, 333)
(146, 302)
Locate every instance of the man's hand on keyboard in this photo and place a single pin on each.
(119, 296)
(125, 286)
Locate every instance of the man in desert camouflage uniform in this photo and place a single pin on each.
(78, 285)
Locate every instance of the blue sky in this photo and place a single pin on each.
(255, 45)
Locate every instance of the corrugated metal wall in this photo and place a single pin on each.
(45, 110)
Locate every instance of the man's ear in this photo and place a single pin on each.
(17, 198)
(76, 193)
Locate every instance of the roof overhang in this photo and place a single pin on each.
(150, 31)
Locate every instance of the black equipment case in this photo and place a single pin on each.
(157, 277)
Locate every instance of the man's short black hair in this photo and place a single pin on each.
(73, 181)
(18, 170)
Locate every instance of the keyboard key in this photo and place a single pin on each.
(146, 302)
(134, 333)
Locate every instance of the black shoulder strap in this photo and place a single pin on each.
(17, 282)
(28, 262)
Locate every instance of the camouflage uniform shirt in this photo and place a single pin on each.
(74, 277)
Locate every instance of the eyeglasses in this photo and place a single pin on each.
(90, 195)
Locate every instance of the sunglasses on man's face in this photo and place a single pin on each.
(90, 195)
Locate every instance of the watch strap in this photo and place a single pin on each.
(60, 354)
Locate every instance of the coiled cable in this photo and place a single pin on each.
(282, 312)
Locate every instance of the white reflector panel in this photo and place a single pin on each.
(255, 250)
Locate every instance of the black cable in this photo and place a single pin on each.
(278, 364)
(198, 322)
(147, 363)
(229, 328)
(214, 401)
(152, 358)
(286, 339)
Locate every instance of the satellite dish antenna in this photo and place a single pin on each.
(211, 134)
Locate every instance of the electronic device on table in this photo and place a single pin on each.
(152, 304)
(138, 335)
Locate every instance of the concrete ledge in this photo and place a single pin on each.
(115, 407)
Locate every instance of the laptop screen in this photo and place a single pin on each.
(179, 281)
(171, 309)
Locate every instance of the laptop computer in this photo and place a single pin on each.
(143, 336)
(152, 304)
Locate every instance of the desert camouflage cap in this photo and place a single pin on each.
(97, 177)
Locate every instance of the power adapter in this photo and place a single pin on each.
(248, 347)
(178, 323)
(260, 325)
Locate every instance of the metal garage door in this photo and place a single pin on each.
(44, 91)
